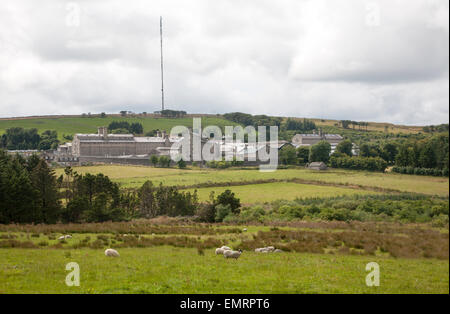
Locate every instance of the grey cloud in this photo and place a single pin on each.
(307, 58)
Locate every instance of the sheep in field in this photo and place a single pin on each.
(225, 248)
(219, 251)
(232, 254)
(111, 253)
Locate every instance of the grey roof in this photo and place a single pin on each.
(317, 135)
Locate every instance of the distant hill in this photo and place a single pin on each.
(375, 126)
(69, 125)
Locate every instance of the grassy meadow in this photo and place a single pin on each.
(73, 125)
(135, 176)
(163, 257)
(183, 270)
(266, 192)
(175, 255)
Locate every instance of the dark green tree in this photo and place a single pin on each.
(44, 181)
(345, 147)
(320, 152)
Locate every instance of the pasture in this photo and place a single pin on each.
(73, 125)
(163, 257)
(135, 176)
(267, 192)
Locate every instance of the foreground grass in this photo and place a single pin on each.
(146, 266)
(135, 176)
(256, 193)
(180, 270)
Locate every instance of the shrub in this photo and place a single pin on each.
(228, 198)
(358, 163)
(222, 211)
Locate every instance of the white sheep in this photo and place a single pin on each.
(232, 254)
(219, 251)
(68, 236)
(111, 253)
(245, 229)
(270, 248)
(278, 251)
(63, 237)
(225, 248)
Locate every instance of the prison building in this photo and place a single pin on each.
(108, 145)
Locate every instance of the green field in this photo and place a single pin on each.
(175, 265)
(135, 176)
(73, 125)
(257, 193)
(182, 270)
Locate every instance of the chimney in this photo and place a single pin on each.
(103, 131)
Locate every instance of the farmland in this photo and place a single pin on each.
(176, 255)
(133, 177)
(146, 271)
(165, 257)
(73, 125)
(266, 192)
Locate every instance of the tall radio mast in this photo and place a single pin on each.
(162, 64)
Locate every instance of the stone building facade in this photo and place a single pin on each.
(103, 144)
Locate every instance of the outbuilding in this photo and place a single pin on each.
(317, 166)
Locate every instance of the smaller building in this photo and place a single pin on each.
(317, 166)
(312, 139)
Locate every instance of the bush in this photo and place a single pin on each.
(358, 163)
(421, 171)
(227, 198)
(222, 211)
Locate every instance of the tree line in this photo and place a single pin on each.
(429, 156)
(28, 139)
(290, 124)
(30, 192)
(124, 127)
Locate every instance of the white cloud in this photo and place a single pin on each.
(375, 60)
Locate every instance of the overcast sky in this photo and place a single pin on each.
(377, 60)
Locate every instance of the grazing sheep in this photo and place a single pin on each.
(68, 236)
(219, 251)
(61, 238)
(111, 253)
(269, 249)
(245, 229)
(232, 254)
(225, 248)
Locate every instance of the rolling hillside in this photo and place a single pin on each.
(69, 125)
